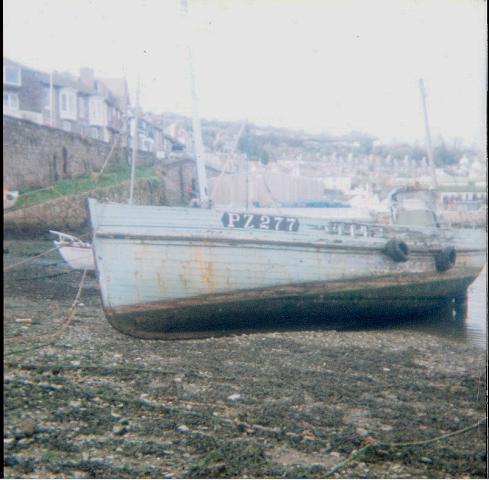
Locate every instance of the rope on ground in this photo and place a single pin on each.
(52, 336)
(27, 260)
(436, 439)
(40, 277)
(372, 444)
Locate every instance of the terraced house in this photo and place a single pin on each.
(89, 106)
(23, 92)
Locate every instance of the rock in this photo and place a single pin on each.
(23, 442)
(28, 427)
(426, 460)
(118, 430)
(234, 397)
(361, 432)
(25, 321)
(183, 429)
(293, 436)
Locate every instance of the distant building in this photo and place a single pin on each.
(23, 91)
(85, 105)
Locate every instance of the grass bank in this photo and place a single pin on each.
(112, 176)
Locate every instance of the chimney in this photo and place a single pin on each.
(87, 77)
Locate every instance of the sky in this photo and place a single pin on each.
(315, 65)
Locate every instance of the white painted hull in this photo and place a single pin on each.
(78, 258)
(161, 268)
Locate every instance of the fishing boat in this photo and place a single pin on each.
(164, 271)
(76, 253)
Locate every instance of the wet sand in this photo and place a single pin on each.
(95, 403)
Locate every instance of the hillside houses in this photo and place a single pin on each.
(83, 104)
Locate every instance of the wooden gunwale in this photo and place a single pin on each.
(325, 244)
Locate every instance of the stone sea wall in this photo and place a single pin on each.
(36, 155)
(69, 212)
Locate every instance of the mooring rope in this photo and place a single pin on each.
(53, 336)
(27, 260)
(372, 444)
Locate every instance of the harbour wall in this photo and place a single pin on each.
(69, 212)
(36, 155)
(170, 185)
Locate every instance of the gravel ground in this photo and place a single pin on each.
(91, 402)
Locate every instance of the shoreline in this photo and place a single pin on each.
(95, 403)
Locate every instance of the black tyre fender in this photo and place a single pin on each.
(397, 250)
(445, 258)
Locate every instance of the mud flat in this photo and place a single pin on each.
(91, 402)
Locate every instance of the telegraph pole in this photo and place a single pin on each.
(431, 160)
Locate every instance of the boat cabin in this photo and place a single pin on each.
(413, 206)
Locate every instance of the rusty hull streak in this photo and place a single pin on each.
(204, 264)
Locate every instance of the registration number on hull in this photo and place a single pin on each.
(260, 222)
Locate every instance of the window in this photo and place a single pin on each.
(147, 145)
(12, 75)
(67, 103)
(82, 110)
(10, 100)
(97, 111)
(94, 132)
(46, 98)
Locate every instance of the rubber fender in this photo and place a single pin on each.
(445, 258)
(397, 250)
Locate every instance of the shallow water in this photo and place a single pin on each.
(464, 323)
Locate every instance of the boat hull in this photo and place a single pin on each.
(328, 303)
(77, 257)
(167, 272)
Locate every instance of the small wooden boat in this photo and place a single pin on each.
(76, 253)
(163, 270)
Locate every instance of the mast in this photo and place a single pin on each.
(428, 135)
(196, 127)
(134, 146)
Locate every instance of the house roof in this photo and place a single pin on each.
(101, 87)
(118, 86)
(42, 76)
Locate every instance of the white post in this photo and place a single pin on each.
(196, 127)
(134, 148)
(51, 100)
(431, 161)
